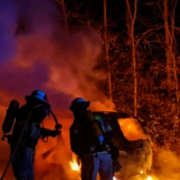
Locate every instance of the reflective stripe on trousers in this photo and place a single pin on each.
(92, 164)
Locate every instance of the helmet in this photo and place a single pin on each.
(38, 94)
(79, 102)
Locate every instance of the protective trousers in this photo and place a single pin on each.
(23, 164)
(92, 164)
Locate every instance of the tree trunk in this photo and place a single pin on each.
(170, 55)
(172, 14)
(133, 48)
(134, 73)
(128, 26)
(107, 50)
(168, 46)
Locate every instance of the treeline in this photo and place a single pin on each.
(140, 55)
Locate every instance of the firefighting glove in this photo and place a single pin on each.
(55, 133)
(101, 139)
(47, 132)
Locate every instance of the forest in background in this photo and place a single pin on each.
(140, 55)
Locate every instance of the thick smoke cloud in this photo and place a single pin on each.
(37, 52)
(47, 56)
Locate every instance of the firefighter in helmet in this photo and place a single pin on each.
(88, 141)
(34, 112)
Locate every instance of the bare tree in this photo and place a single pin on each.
(172, 20)
(132, 17)
(106, 41)
(170, 41)
(168, 46)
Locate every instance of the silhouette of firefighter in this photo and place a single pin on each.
(26, 132)
(90, 140)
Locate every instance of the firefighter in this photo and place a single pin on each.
(34, 111)
(89, 142)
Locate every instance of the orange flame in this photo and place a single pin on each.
(74, 164)
(132, 130)
(149, 178)
(114, 178)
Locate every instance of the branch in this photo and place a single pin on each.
(160, 8)
(176, 28)
(129, 9)
(149, 30)
(140, 19)
(135, 12)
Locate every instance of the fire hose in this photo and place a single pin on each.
(57, 127)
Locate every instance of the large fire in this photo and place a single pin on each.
(34, 58)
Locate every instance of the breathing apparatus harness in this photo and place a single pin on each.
(9, 121)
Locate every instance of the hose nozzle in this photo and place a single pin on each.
(58, 126)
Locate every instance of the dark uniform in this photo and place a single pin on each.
(89, 143)
(23, 161)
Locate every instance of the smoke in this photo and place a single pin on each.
(48, 56)
(8, 17)
(37, 52)
(167, 164)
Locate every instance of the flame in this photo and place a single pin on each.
(74, 164)
(114, 178)
(149, 178)
(131, 129)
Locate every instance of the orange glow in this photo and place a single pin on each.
(74, 164)
(149, 178)
(53, 65)
(131, 129)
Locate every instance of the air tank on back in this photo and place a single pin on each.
(10, 117)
